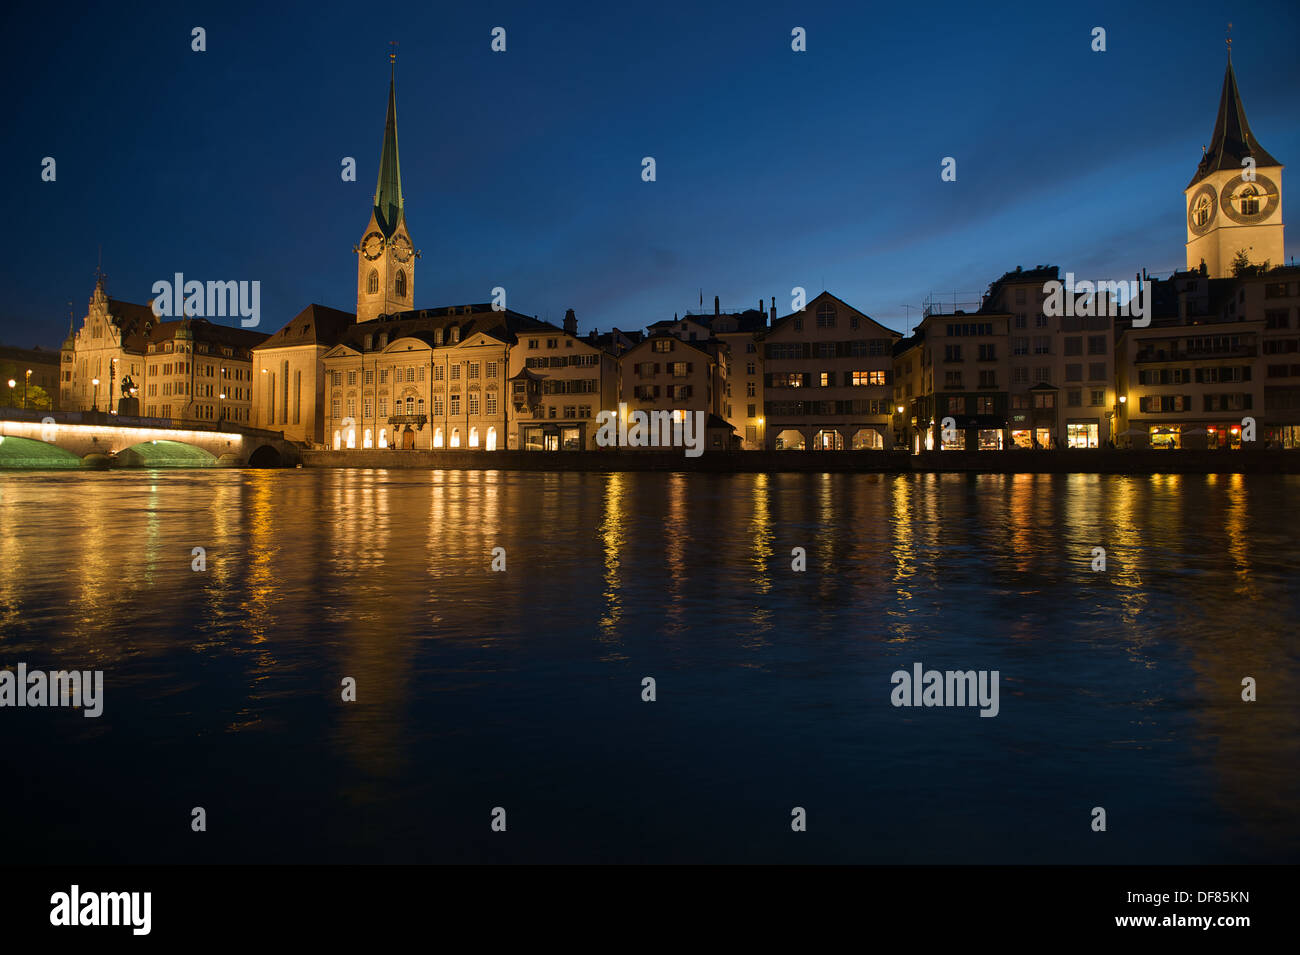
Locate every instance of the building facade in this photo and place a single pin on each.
(828, 379)
(559, 385)
(35, 374)
(125, 358)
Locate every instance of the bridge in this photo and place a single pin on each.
(73, 439)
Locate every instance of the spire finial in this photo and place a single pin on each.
(1229, 42)
(392, 54)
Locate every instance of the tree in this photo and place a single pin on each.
(37, 398)
(1242, 267)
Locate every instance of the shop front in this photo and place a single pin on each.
(553, 436)
(1083, 433)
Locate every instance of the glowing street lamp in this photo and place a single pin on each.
(12, 385)
(26, 378)
(94, 401)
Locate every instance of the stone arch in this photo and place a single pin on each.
(267, 456)
(165, 454)
(790, 439)
(868, 439)
(30, 453)
(828, 439)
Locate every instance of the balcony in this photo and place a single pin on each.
(418, 420)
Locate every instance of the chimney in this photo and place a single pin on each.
(716, 307)
(773, 309)
(571, 323)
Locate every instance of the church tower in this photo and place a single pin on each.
(1234, 205)
(386, 257)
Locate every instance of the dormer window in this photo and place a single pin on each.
(455, 334)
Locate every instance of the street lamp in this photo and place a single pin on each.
(12, 385)
(221, 411)
(94, 401)
(26, 378)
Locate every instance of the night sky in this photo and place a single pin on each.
(523, 169)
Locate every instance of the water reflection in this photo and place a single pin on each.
(471, 682)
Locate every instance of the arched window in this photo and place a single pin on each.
(1250, 201)
(401, 283)
(491, 439)
(338, 440)
(437, 438)
(410, 405)
(473, 437)
(383, 339)
(372, 283)
(351, 435)
(383, 437)
(455, 437)
(366, 442)
(419, 406)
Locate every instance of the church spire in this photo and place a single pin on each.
(388, 192)
(1232, 140)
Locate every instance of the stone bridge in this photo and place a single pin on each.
(70, 439)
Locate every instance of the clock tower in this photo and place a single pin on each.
(385, 256)
(1234, 204)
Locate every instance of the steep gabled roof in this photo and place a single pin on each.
(1232, 140)
(314, 325)
(808, 311)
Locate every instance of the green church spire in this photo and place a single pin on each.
(388, 192)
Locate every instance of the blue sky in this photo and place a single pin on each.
(523, 169)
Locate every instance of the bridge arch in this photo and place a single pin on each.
(267, 456)
(30, 453)
(165, 454)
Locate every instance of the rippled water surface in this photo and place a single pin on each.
(475, 689)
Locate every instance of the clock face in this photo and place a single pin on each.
(1200, 211)
(372, 246)
(401, 247)
(1249, 201)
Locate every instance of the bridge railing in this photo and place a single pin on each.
(133, 421)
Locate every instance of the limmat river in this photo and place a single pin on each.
(523, 689)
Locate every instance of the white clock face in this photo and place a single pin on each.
(1201, 210)
(372, 246)
(1249, 201)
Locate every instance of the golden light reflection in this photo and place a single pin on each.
(613, 537)
(677, 537)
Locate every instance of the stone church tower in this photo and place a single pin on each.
(385, 256)
(1229, 208)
